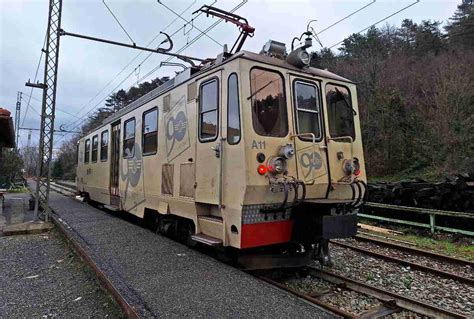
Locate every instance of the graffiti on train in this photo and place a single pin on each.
(177, 130)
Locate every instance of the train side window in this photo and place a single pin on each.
(150, 132)
(269, 115)
(87, 150)
(104, 145)
(340, 111)
(308, 106)
(95, 146)
(233, 110)
(129, 138)
(208, 110)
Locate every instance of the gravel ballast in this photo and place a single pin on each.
(442, 292)
(460, 270)
(41, 277)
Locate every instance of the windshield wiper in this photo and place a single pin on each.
(349, 105)
(260, 89)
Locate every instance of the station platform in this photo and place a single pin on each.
(159, 277)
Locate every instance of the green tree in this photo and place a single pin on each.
(12, 165)
(461, 27)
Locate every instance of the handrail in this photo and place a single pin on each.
(420, 210)
(351, 140)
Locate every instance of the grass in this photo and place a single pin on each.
(462, 249)
(407, 281)
(443, 243)
(18, 190)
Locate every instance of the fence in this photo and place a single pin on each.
(426, 211)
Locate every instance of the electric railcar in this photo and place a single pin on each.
(252, 152)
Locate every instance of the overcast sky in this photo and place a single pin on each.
(85, 68)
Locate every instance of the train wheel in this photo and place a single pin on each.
(188, 230)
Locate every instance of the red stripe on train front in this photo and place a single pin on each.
(263, 234)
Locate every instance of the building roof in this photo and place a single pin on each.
(7, 132)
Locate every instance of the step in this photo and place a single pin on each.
(112, 208)
(207, 240)
(211, 226)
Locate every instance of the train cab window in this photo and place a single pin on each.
(269, 115)
(233, 113)
(208, 110)
(95, 146)
(340, 111)
(129, 138)
(87, 150)
(104, 145)
(150, 131)
(308, 108)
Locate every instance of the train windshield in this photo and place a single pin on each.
(269, 115)
(340, 111)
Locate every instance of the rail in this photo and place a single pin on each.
(419, 210)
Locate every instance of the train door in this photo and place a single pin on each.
(310, 145)
(208, 142)
(340, 130)
(115, 164)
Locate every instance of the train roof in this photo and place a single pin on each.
(188, 75)
(282, 63)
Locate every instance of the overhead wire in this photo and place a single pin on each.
(212, 26)
(127, 65)
(116, 19)
(189, 22)
(77, 124)
(346, 17)
(381, 20)
(202, 33)
(36, 76)
(59, 109)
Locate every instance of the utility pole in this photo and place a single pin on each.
(17, 117)
(28, 154)
(43, 172)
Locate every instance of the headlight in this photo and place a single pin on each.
(351, 166)
(304, 57)
(277, 165)
(287, 151)
(348, 167)
(299, 58)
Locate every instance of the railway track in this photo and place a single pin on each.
(427, 267)
(62, 189)
(413, 250)
(389, 302)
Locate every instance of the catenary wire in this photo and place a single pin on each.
(131, 73)
(36, 76)
(346, 17)
(126, 66)
(170, 58)
(116, 19)
(389, 16)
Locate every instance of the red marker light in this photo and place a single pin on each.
(262, 169)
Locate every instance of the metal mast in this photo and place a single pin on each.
(17, 117)
(43, 172)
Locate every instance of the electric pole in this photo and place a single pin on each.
(17, 117)
(43, 173)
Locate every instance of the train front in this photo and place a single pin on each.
(305, 165)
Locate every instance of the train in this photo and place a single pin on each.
(258, 154)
